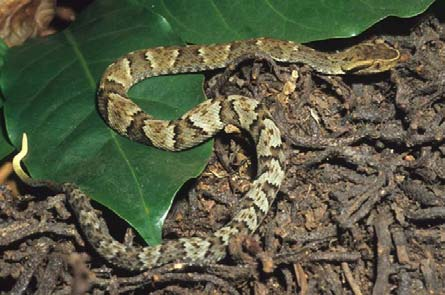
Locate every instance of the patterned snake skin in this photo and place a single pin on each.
(202, 123)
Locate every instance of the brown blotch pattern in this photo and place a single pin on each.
(120, 73)
(161, 59)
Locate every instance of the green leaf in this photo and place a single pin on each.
(50, 85)
(204, 21)
(3, 50)
(5, 147)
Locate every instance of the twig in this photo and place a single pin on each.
(381, 225)
(19, 230)
(40, 250)
(350, 279)
(434, 213)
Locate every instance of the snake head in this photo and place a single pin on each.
(369, 58)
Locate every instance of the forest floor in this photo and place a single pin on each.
(361, 211)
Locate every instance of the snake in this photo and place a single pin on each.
(198, 125)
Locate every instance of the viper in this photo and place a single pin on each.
(200, 124)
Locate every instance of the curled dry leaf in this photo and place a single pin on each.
(23, 19)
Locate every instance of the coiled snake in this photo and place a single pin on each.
(200, 124)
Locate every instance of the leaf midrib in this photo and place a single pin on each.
(92, 82)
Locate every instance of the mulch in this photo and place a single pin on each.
(362, 209)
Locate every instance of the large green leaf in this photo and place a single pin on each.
(3, 50)
(207, 21)
(50, 86)
(5, 147)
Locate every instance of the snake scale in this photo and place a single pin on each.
(202, 123)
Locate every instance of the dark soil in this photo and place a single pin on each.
(362, 209)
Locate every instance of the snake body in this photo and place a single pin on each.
(202, 123)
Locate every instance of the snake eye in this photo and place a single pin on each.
(377, 65)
